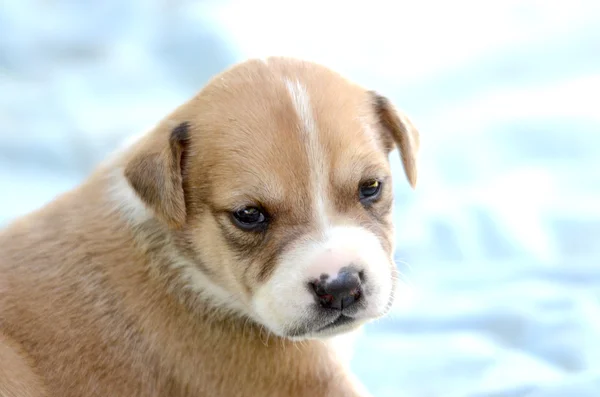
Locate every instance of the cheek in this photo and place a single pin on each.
(384, 233)
(263, 261)
(249, 259)
(376, 218)
(380, 223)
(212, 253)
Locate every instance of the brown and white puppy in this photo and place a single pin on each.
(217, 255)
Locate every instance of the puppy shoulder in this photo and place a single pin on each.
(17, 377)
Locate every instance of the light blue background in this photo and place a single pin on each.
(499, 245)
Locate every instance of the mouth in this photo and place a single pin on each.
(329, 328)
(338, 322)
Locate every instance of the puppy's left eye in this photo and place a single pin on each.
(369, 190)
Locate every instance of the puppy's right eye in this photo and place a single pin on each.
(250, 218)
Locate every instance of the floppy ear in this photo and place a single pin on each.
(156, 172)
(398, 131)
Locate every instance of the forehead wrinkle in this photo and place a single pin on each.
(249, 186)
(248, 156)
(351, 162)
(350, 173)
(370, 131)
(280, 183)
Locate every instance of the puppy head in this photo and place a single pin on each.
(275, 184)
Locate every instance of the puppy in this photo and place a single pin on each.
(219, 254)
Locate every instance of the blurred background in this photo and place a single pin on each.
(499, 245)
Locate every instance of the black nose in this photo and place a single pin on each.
(339, 293)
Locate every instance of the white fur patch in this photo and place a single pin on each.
(301, 101)
(316, 155)
(126, 201)
(211, 292)
(119, 191)
(349, 244)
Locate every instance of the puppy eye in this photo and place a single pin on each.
(249, 218)
(369, 190)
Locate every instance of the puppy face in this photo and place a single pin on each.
(276, 185)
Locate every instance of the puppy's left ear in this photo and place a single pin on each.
(156, 172)
(398, 131)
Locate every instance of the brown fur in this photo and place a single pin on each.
(94, 303)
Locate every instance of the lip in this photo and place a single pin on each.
(341, 320)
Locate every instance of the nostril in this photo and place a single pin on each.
(326, 300)
(319, 288)
(339, 293)
(361, 276)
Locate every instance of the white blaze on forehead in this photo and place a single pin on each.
(301, 101)
(316, 155)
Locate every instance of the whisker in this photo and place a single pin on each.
(405, 264)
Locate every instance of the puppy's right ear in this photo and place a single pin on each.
(156, 172)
